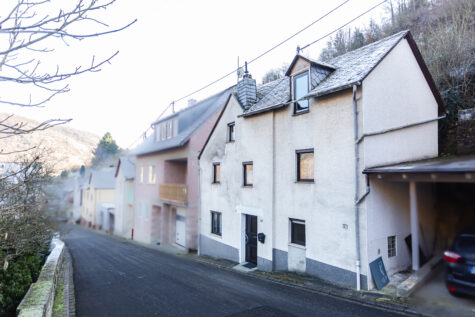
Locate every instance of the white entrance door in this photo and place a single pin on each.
(180, 228)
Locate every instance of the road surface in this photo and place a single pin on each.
(116, 278)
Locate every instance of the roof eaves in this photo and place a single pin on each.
(216, 123)
(311, 61)
(263, 110)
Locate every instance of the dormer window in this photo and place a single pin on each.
(163, 131)
(301, 85)
(169, 129)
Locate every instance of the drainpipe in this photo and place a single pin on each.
(273, 188)
(199, 208)
(357, 215)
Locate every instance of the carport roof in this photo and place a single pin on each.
(458, 164)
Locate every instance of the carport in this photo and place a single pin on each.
(453, 190)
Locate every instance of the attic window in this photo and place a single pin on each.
(300, 90)
(231, 132)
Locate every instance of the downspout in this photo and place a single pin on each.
(357, 215)
(273, 188)
(199, 207)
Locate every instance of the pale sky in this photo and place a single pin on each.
(177, 47)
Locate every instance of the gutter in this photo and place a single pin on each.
(398, 128)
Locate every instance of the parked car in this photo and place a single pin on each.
(460, 259)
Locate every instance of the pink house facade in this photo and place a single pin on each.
(166, 175)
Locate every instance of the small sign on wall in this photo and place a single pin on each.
(378, 271)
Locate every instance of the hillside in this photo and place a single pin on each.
(66, 148)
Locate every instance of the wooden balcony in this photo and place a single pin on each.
(174, 192)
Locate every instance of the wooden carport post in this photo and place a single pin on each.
(414, 225)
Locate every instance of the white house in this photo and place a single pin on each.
(124, 197)
(281, 177)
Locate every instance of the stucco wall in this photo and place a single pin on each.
(176, 166)
(325, 205)
(389, 215)
(396, 93)
(230, 197)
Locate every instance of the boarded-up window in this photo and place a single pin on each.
(216, 173)
(248, 171)
(305, 165)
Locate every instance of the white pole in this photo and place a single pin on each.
(414, 225)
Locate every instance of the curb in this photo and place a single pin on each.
(336, 292)
(362, 298)
(69, 308)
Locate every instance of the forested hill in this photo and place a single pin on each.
(61, 147)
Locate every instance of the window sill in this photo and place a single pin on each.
(304, 182)
(230, 141)
(300, 112)
(216, 183)
(246, 186)
(216, 235)
(297, 246)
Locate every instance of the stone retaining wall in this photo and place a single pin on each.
(39, 299)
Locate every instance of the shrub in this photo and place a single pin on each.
(16, 280)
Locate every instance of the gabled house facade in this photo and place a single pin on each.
(281, 174)
(124, 197)
(166, 200)
(99, 190)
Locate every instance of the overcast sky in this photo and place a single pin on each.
(179, 46)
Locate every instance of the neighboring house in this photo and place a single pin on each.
(80, 183)
(281, 177)
(124, 197)
(166, 175)
(100, 189)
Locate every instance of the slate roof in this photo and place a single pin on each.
(276, 97)
(127, 165)
(104, 178)
(189, 120)
(354, 66)
(344, 71)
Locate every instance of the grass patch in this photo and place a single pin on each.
(58, 300)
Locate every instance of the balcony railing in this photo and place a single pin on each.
(174, 192)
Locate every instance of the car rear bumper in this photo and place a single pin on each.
(461, 286)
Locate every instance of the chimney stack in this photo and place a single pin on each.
(247, 90)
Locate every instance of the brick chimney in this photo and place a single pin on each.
(247, 90)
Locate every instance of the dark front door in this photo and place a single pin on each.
(251, 239)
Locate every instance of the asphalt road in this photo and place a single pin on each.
(116, 278)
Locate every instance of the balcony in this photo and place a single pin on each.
(174, 192)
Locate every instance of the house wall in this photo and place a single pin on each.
(155, 220)
(124, 206)
(389, 215)
(102, 196)
(325, 205)
(396, 93)
(230, 197)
